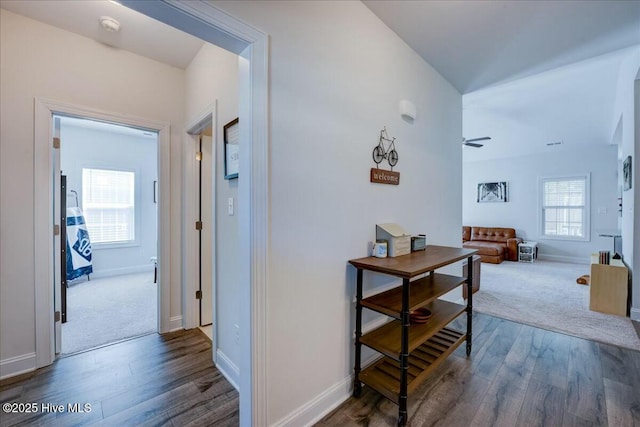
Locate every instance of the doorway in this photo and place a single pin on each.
(47, 209)
(206, 231)
(108, 218)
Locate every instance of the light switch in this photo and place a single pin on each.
(230, 206)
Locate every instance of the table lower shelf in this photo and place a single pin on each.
(384, 374)
(387, 338)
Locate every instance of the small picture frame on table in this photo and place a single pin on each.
(231, 149)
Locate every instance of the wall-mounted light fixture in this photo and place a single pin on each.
(407, 110)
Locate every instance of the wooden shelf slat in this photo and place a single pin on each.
(421, 292)
(387, 338)
(415, 263)
(382, 374)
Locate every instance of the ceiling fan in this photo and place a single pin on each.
(471, 142)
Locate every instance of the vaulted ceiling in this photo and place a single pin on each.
(531, 72)
(475, 44)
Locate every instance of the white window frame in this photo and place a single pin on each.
(136, 209)
(587, 208)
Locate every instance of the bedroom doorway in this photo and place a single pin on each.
(106, 266)
(206, 233)
(200, 201)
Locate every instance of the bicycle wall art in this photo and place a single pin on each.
(385, 150)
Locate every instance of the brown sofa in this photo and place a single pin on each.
(494, 244)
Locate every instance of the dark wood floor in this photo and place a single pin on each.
(155, 380)
(517, 375)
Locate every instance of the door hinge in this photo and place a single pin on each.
(56, 142)
(198, 225)
(56, 230)
(199, 155)
(56, 316)
(198, 294)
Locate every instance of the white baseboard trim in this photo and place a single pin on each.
(373, 324)
(313, 411)
(568, 259)
(145, 268)
(229, 369)
(318, 407)
(635, 314)
(17, 365)
(175, 323)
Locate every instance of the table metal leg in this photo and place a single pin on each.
(357, 386)
(404, 355)
(469, 285)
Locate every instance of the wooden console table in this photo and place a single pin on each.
(410, 352)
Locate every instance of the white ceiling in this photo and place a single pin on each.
(573, 105)
(474, 44)
(138, 33)
(526, 68)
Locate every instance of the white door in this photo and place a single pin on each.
(57, 282)
(206, 259)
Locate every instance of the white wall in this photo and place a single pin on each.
(211, 76)
(100, 148)
(521, 211)
(38, 60)
(337, 74)
(628, 111)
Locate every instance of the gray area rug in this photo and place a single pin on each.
(109, 309)
(545, 294)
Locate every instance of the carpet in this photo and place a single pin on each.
(545, 294)
(109, 309)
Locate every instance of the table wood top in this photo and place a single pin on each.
(415, 263)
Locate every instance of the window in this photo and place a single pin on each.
(565, 207)
(108, 202)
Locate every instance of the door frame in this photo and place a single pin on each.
(44, 200)
(206, 21)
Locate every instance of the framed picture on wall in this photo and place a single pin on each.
(231, 149)
(626, 173)
(492, 192)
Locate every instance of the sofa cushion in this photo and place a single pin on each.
(485, 248)
(492, 234)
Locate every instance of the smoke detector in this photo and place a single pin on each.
(110, 24)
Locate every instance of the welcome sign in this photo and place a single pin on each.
(381, 176)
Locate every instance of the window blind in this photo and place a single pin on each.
(564, 205)
(108, 202)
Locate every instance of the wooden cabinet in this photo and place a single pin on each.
(609, 284)
(409, 352)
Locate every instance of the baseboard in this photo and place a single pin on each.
(17, 365)
(635, 314)
(175, 323)
(318, 407)
(229, 369)
(313, 411)
(373, 324)
(567, 259)
(145, 268)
